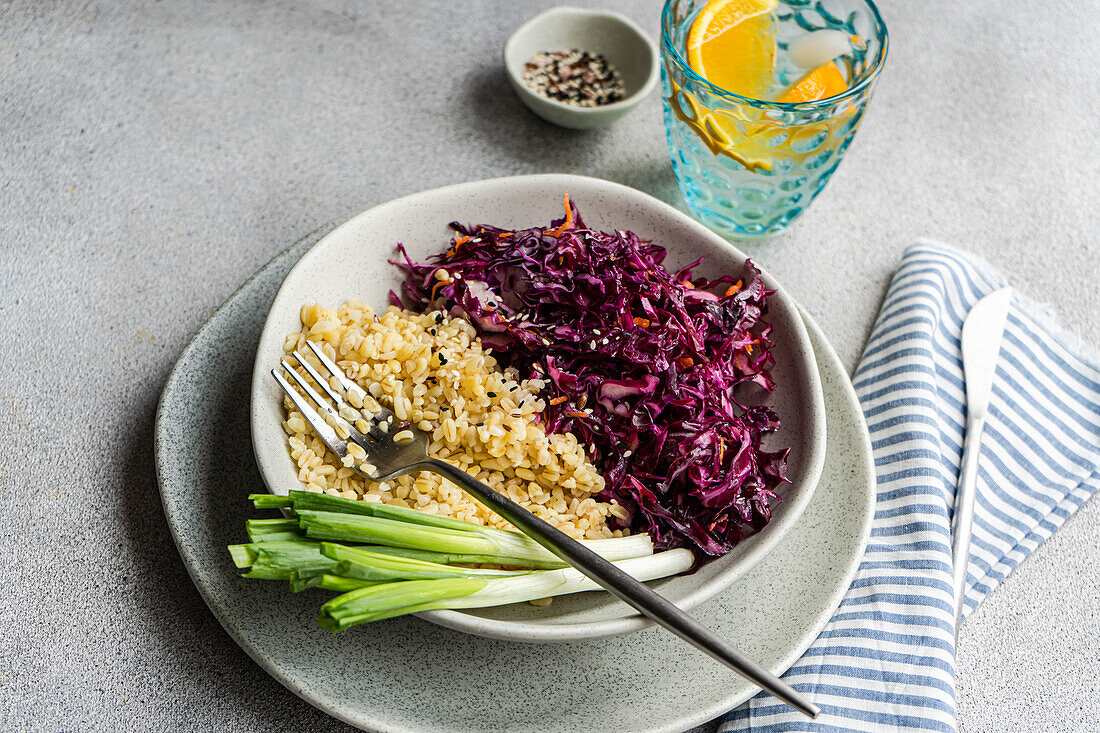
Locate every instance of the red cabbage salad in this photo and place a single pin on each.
(647, 368)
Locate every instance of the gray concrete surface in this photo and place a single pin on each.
(153, 155)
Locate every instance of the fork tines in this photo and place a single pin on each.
(339, 423)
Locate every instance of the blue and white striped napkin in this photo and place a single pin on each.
(885, 661)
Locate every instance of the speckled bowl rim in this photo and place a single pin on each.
(269, 457)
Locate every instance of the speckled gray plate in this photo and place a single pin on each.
(406, 675)
(350, 262)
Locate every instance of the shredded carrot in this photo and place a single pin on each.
(685, 361)
(642, 322)
(459, 241)
(436, 287)
(568, 218)
(688, 284)
(558, 400)
(506, 235)
(576, 413)
(733, 289)
(748, 348)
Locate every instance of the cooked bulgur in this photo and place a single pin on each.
(432, 370)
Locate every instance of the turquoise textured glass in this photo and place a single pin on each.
(748, 167)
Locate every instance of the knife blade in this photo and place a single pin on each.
(982, 333)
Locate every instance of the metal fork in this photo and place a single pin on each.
(395, 448)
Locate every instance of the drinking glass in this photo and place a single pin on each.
(749, 167)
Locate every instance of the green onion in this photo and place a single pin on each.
(416, 529)
(270, 501)
(300, 560)
(323, 502)
(360, 528)
(405, 561)
(328, 582)
(392, 599)
(439, 557)
(363, 564)
(547, 583)
(309, 500)
(269, 530)
(413, 596)
(281, 559)
(486, 544)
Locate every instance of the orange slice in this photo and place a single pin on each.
(824, 81)
(731, 44)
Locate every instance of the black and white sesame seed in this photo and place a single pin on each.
(574, 77)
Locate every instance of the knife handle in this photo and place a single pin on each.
(962, 524)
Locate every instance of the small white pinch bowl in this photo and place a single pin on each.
(614, 36)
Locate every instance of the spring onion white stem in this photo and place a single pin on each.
(547, 583)
(379, 602)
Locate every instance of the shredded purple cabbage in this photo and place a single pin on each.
(644, 367)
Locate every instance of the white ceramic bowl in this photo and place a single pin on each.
(351, 263)
(614, 36)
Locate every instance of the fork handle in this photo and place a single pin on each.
(647, 601)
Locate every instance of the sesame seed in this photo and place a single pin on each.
(574, 77)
